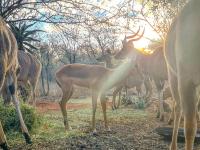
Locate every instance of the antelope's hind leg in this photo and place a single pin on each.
(103, 105)
(94, 107)
(3, 141)
(67, 93)
(159, 87)
(117, 90)
(189, 104)
(173, 81)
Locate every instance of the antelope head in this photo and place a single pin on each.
(105, 56)
(128, 49)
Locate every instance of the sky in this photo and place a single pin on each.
(109, 4)
(149, 33)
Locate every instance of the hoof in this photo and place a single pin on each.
(158, 115)
(170, 122)
(173, 147)
(27, 138)
(162, 118)
(32, 103)
(69, 128)
(108, 129)
(114, 107)
(4, 146)
(94, 132)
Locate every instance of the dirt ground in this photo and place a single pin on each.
(54, 106)
(126, 133)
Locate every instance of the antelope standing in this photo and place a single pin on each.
(8, 78)
(152, 66)
(30, 69)
(134, 80)
(182, 52)
(107, 58)
(97, 78)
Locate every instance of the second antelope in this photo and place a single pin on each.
(30, 69)
(152, 66)
(97, 78)
(135, 79)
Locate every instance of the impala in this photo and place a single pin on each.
(152, 66)
(97, 78)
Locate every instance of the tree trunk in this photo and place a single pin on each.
(43, 86)
(47, 74)
(47, 81)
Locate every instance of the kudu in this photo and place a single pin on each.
(152, 66)
(30, 69)
(182, 51)
(97, 78)
(8, 78)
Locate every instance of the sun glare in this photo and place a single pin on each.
(145, 51)
(118, 73)
(142, 46)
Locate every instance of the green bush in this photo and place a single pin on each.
(139, 103)
(10, 119)
(126, 100)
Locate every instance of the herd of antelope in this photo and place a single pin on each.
(177, 62)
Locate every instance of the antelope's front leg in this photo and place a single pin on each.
(3, 141)
(119, 100)
(12, 84)
(114, 99)
(113, 102)
(172, 114)
(103, 105)
(94, 107)
(161, 105)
